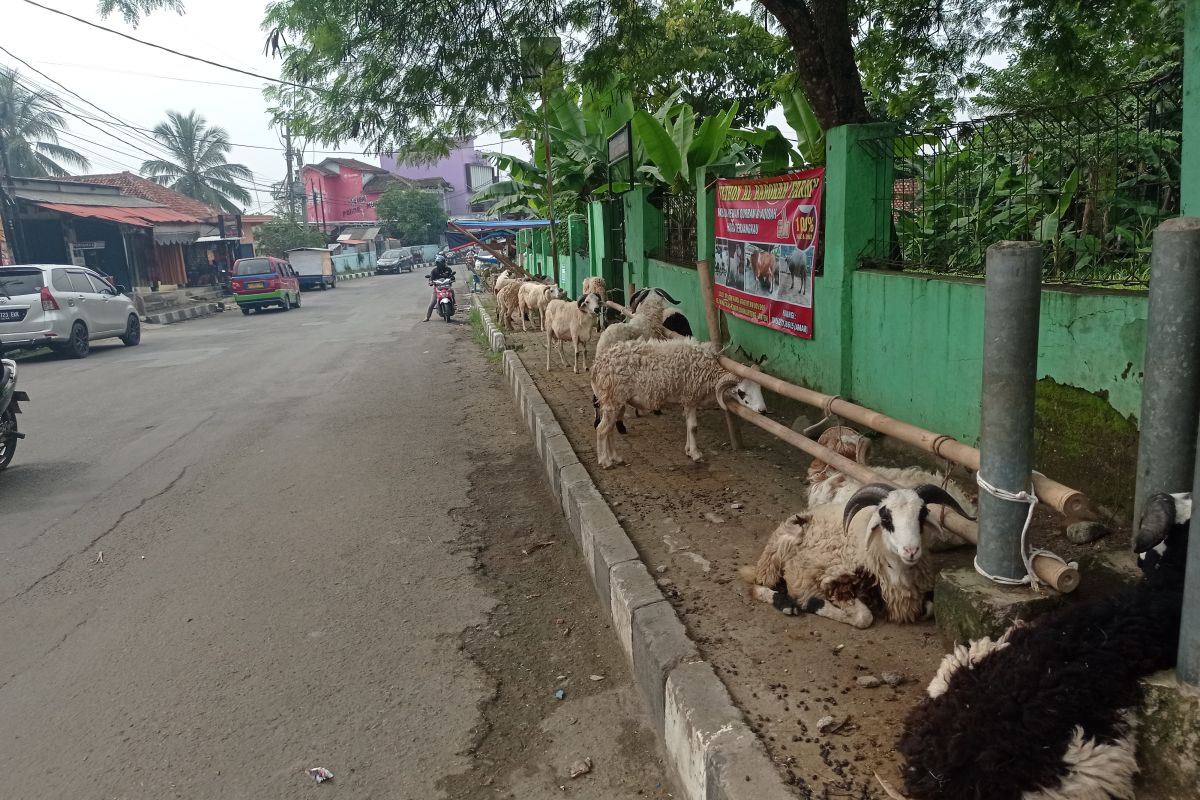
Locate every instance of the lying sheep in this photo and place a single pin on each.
(594, 284)
(533, 296)
(648, 375)
(1050, 710)
(853, 567)
(574, 322)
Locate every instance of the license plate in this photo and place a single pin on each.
(256, 285)
(12, 315)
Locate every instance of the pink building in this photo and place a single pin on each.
(464, 170)
(343, 191)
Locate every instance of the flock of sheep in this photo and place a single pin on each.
(1049, 711)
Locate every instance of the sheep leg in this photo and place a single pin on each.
(693, 452)
(524, 313)
(855, 613)
(585, 344)
(575, 344)
(548, 343)
(562, 356)
(606, 452)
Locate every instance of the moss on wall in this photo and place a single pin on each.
(1081, 440)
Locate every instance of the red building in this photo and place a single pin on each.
(342, 192)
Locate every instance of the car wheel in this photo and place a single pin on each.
(297, 299)
(133, 332)
(78, 345)
(245, 311)
(286, 303)
(8, 437)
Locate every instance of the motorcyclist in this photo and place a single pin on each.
(440, 270)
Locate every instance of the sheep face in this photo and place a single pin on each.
(749, 394)
(899, 515)
(1162, 535)
(591, 304)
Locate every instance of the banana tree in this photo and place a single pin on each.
(675, 147)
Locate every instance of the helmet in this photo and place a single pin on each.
(440, 260)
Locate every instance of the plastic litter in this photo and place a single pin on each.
(560, 695)
(320, 774)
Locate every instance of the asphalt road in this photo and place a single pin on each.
(255, 545)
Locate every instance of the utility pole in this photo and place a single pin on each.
(14, 231)
(549, 175)
(539, 55)
(291, 178)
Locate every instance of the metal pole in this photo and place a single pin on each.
(1012, 296)
(1188, 665)
(1171, 386)
(549, 177)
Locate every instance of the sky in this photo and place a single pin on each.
(138, 85)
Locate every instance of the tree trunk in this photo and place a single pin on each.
(819, 32)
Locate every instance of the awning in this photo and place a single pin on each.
(488, 229)
(141, 217)
(216, 239)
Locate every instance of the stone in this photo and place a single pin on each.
(868, 682)
(1084, 532)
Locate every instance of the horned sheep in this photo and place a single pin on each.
(1049, 710)
(573, 321)
(651, 374)
(649, 306)
(853, 567)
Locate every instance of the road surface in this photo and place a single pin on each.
(255, 545)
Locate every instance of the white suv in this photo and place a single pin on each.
(65, 307)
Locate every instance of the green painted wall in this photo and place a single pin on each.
(682, 284)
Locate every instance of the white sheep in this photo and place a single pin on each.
(504, 277)
(649, 307)
(533, 296)
(573, 321)
(594, 284)
(507, 302)
(650, 374)
(853, 562)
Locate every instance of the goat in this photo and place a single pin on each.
(1049, 710)
(571, 321)
(650, 374)
(851, 567)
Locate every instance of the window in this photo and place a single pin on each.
(101, 286)
(14, 282)
(61, 282)
(252, 266)
(80, 282)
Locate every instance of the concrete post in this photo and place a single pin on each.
(1188, 666)
(1012, 300)
(1171, 386)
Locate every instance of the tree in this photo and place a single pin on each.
(281, 234)
(411, 215)
(132, 10)
(198, 167)
(29, 126)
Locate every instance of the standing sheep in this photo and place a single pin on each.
(533, 296)
(1049, 710)
(574, 322)
(850, 567)
(507, 302)
(648, 375)
(594, 284)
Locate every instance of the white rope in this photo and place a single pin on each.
(1027, 554)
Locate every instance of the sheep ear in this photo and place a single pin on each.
(581, 301)
(1157, 518)
(870, 495)
(874, 523)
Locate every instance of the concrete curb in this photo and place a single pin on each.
(181, 314)
(715, 754)
(349, 276)
(495, 338)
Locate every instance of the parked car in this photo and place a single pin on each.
(393, 262)
(314, 267)
(263, 281)
(63, 307)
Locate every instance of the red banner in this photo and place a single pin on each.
(767, 232)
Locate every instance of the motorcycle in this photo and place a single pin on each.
(10, 406)
(444, 296)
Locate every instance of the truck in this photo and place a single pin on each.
(314, 266)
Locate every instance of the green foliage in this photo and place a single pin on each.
(29, 126)
(675, 149)
(276, 237)
(133, 10)
(411, 215)
(196, 165)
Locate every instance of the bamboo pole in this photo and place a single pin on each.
(500, 256)
(1049, 571)
(1072, 503)
(713, 319)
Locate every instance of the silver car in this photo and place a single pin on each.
(64, 307)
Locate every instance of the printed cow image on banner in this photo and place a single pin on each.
(767, 232)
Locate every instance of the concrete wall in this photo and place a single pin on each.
(452, 168)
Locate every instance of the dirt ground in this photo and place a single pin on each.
(785, 673)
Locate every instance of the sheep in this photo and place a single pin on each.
(677, 323)
(1048, 711)
(649, 306)
(533, 296)
(850, 567)
(504, 277)
(571, 321)
(651, 374)
(508, 301)
(594, 284)
(828, 485)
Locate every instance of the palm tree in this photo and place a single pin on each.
(198, 167)
(29, 126)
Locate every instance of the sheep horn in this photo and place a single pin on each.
(1157, 518)
(936, 494)
(638, 296)
(870, 495)
(667, 295)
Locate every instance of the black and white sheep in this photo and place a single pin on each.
(651, 374)
(649, 307)
(1049, 711)
(853, 567)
